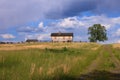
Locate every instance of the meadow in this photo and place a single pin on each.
(59, 61)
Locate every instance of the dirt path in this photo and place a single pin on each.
(95, 63)
(114, 59)
(92, 72)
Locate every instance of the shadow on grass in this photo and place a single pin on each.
(100, 75)
(63, 77)
(64, 49)
(95, 75)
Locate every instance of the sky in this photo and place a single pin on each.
(37, 19)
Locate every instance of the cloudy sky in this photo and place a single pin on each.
(37, 19)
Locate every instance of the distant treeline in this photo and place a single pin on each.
(7, 42)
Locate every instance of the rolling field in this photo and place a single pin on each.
(59, 61)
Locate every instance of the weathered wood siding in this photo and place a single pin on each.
(62, 38)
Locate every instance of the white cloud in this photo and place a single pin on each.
(43, 36)
(41, 25)
(102, 19)
(118, 41)
(30, 29)
(70, 22)
(7, 36)
(75, 22)
(38, 36)
(117, 32)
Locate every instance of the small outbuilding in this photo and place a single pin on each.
(62, 37)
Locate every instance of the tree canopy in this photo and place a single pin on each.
(97, 33)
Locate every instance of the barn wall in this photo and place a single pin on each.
(62, 38)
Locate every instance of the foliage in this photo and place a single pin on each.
(97, 33)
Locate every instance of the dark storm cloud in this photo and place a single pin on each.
(16, 12)
(74, 8)
(108, 7)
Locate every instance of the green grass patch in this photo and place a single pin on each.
(49, 63)
(116, 52)
(45, 64)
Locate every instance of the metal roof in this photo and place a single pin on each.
(31, 40)
(61, 34)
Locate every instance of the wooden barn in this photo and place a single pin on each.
(62, 37)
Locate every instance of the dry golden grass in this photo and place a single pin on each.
(117, 45)
(63, 67)
(12, 47)
(48, 45)
(51, 71)
(32, 69)
(40, 70)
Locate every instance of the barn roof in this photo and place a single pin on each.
(31, 40)
(61, 34)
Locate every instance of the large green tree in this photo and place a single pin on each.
(97, 33)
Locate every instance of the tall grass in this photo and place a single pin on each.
(54, 61)
(116, 52)
(63, 63)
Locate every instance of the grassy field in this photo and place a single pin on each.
(59, 61)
